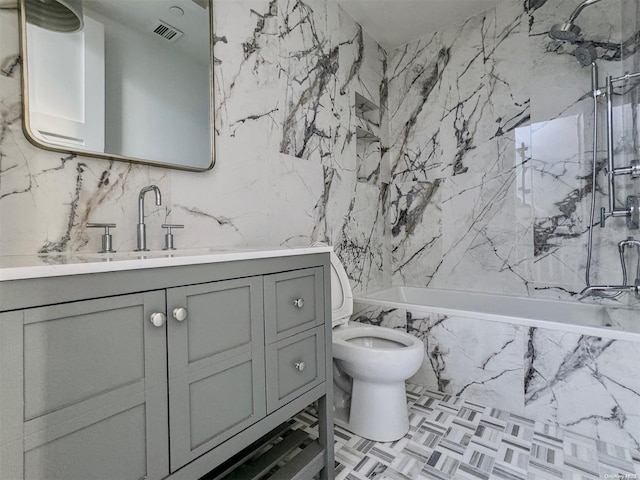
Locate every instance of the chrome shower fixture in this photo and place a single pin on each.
(569, 31)
(586, 54)
(64, 16)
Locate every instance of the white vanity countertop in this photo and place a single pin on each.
(18, 267)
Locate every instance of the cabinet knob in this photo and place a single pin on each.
(180, 314)
(158, 319)
(300, 366)
(299, 302)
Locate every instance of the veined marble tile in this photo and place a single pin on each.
(310, 62)
(369, 161)
(475, 359)
(415, 225)
(296, 191)
(586, 384)
(361, 249)
(384, 317)
(247, 74)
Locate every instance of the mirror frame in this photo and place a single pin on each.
(26, 114)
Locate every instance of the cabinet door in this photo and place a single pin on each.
(216, 364)
(88, 382)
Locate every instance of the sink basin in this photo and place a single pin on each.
(123, 255)
(186, 252)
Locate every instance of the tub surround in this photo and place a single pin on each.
(583, 379)
(491, 126)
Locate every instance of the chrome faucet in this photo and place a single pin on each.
(142, 228)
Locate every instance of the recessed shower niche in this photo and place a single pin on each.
(368, 149)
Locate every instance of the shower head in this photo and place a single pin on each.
(566, 32)
(586, 54)
(63, 16)
(569, 31)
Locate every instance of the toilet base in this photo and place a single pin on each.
(379, 411)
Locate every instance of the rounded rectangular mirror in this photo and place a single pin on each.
(120, 79)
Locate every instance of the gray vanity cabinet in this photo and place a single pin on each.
(216, 357)
(167, 374)
(83, 391)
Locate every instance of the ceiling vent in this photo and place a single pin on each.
(166, 31)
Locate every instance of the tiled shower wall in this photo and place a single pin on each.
(485, 186)
(491, 151)
(286, 75)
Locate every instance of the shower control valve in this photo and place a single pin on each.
(632, 170)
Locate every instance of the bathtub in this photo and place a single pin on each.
(571, 364)
(583, 318)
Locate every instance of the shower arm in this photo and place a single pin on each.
(607, 289)
(579, 9)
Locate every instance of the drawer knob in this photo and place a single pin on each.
(158, 319)
(180, 314)
(299, 302)
(300, 366)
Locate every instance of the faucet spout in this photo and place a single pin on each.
(142, 233)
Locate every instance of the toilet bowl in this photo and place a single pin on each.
(378, 360)
(371, 365)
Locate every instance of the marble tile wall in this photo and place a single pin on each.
(286, 76)
(588, 385)
(491, 151)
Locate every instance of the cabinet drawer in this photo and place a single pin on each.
(293, 302)
(294, 366)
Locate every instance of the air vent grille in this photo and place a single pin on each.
(166, 31)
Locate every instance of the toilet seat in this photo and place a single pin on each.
(397, 338)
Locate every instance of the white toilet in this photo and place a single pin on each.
(371, 364)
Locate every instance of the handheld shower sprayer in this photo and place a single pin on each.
(586, 54)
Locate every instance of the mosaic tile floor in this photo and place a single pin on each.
(453, 438)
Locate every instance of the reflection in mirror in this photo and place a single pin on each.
(134, 83)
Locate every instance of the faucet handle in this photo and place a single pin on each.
(107, 239)
(168, 237)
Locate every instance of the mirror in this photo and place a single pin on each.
(134, 84)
